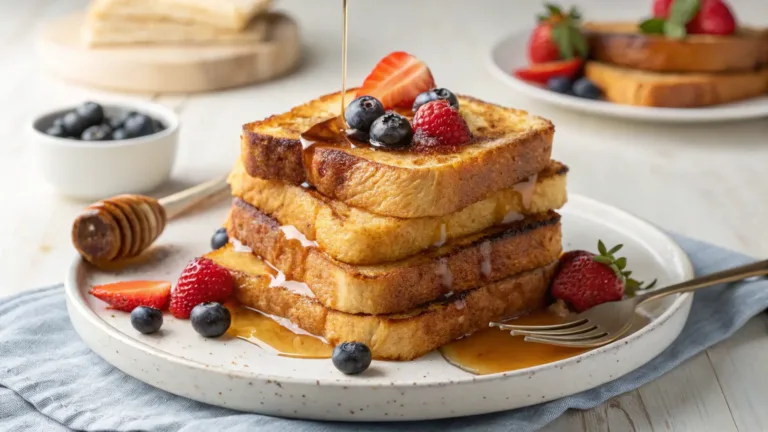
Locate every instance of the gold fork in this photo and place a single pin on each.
(607, 322)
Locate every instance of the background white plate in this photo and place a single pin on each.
(510, 53)
(235, 374)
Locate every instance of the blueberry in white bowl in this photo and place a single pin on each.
(86, 152)
(560, 84)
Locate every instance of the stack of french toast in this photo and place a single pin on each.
(635, 68)
(401, 250)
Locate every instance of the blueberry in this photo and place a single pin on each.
(117, 121)
(119, 134)
(97, 133)
(585, 88)
(391, 130)
(362, 112)
(560, 85)
(159, 126)
(219, 239)
(351, 357)
(435, 94)
(91, 112)
(146, 320)
(138, 125)
(56, 131)
(74, 124)
(58, 121)
(211, 320)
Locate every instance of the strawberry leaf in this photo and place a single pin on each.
(579, 42)
(601, 248)
(652, 26)
(674, 30)
(603, 260)
(553, 9)
(683, 11)
(621, 263)
(615, 249)
(574, 13)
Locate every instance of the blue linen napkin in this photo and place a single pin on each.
(50, 381)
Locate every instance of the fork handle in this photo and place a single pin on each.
(759, 268)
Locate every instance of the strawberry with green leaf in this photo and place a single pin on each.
(557, 36)
(677, 18)
(585, 280)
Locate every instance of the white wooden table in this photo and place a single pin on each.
(705, 181)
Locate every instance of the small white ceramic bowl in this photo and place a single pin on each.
(93, 170)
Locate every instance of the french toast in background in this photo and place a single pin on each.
(127, 22)
(696, 56)
(508, 147)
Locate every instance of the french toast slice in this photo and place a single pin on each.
(227, 14)
(390, 337)
(643, 88)
(622, 44)
(458, 266)
(356, 236)
(509, 146)
(120, 31)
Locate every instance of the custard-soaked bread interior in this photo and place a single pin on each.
(357, 236)
(459, 265)
(390, 337)
(508, 147)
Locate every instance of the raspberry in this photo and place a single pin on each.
(438, 125)
(201, 281)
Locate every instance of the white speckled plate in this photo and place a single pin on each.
(236, 374)
(509, 54)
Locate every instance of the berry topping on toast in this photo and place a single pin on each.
(584, 280)
(439, 127)
(397, 80)
(557, 36)
(201, 281)
(676, 18)
(128, 295)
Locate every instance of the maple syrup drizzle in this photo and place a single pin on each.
(344, 61)
(274, 337)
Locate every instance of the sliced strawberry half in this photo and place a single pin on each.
(542, 72)
(126, 296)
(397, 79)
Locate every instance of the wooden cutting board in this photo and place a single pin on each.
(168, 68)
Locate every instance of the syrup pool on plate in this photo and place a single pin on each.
(494, 350)
(267, 333)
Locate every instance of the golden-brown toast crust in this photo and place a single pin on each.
(632, 87)
(510, 146)
(461, 265)
(621, 44)
(399, 336)
(356, 236)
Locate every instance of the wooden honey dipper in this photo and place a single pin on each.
(124, 226)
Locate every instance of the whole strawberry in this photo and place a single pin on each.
(557, 37)
(714, 18)
(439, 127)
(584, 280)
(201, 281)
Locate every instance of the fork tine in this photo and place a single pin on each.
(563, 326)
(588, 343)
(596, 333)
(584, 328)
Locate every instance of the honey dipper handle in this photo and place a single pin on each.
(181, 201)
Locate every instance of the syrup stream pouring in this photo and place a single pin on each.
(607, 322)
(124, 226)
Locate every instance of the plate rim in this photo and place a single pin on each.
(722, 113)
(76, 300)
